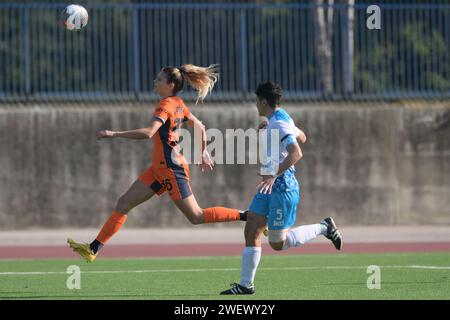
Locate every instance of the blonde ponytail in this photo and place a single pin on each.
(201, 79)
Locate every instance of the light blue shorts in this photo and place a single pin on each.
(280, 208)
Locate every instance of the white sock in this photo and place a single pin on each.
(250, 261)
(301, 235)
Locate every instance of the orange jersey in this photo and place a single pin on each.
(172, 112)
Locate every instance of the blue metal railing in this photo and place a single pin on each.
(124, 46)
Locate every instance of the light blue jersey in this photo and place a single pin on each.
(280, 132)
(280, 206)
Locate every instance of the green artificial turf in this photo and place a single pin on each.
(331, 276)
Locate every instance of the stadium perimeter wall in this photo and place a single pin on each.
(376, 164)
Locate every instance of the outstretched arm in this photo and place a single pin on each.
(206, 163)
(142, 133)
(198, 125)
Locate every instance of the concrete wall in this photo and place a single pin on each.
(365, 164)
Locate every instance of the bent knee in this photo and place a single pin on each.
(277, 246)
(277, 239)
(196, 219)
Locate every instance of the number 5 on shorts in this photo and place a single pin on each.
(279, 214)
(166, 184)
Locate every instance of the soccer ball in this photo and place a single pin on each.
(75, 17)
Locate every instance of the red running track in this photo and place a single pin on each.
(172, 250)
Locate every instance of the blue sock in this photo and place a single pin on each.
(95, 246)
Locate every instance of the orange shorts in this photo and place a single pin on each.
(174, 180)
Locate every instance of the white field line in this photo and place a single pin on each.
(32, 273)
